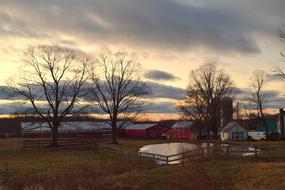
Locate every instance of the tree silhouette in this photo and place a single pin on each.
(52, 80)
(207, 89)
(117, 87)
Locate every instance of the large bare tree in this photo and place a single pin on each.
(258, 98)
(117, 87)
(51, 80)
(208, 87)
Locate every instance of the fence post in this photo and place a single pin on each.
(228, 150)
(153, 159)
(255, 152)
(208, 150)
(166, 160)
(140, 156)
(183, 157)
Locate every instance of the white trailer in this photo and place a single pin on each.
(257, 135)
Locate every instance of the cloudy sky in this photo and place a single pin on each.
(171, 37)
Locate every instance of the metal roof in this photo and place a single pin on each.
(229, 126)
(183, 124)
(140, 126)
(65, 126)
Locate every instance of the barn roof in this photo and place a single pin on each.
(65, 126)
(183, 124)
(229, 126)
(167, 123)
(140, 126)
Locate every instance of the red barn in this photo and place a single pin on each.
(139, 129)
(157, 131)
(189, 130)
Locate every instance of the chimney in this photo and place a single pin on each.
(281, 124)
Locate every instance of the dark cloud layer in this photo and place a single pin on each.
(275, 99)
(156, 91)
(7, 94)
(164, 91)
(161, 107)
(159, 75)
(225, 26)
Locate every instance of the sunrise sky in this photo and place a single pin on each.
(171, 37)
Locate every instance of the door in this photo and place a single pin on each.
(237, 136)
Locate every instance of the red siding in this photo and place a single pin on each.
(182, 133)
(156, 131)
(135, 132)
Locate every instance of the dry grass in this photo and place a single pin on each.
(238, 174)
(90, 169)
(55, 169)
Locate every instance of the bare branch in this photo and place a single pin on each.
(117, 87)
(51, 81)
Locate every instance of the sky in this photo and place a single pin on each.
(170, 37)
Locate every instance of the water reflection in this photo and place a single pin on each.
(161, 151)
(168, 149)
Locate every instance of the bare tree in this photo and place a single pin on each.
(207, 89)
(258, 97)
(193, 107)
(51, 81)
(117, 88)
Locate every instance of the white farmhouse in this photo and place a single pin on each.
(233, 132)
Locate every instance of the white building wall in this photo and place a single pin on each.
(227, 133)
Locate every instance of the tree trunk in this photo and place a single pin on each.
(265, 126)
(114, 132)
(264, 123)
(54, 142)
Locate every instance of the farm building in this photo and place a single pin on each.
(9, 127)
(233, 131)
(157, 131)
(68, 129)
(188, 130)
(271, 126)
(142, 130)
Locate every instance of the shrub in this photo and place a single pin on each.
(272, 136)
(250, 138)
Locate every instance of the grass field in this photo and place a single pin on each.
(90, 169)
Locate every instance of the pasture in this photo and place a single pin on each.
(88, 168)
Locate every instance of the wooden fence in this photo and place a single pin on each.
(32, 144)
(242, 151)
(156, 158)
(229, 151)
(270, 152)
(249, 151)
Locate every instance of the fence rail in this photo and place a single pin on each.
(31, 144)
(246, 151)
(241, 151)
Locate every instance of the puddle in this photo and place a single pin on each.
(161, 151)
